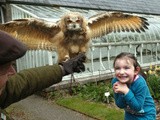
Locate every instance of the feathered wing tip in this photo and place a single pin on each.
(145, 23)
(116, 22)
(35, 33)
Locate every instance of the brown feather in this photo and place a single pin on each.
(35, 33)
(116, 22)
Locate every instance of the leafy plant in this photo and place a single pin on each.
(154, 86)
(93, 91)
(153, 80)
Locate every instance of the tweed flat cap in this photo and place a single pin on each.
(10, 48)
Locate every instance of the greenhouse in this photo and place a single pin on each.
(144, 45)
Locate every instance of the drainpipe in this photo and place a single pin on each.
(2, 16)
(7, 12)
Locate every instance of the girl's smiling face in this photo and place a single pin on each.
(125, 70)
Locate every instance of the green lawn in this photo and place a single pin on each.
(92, 109)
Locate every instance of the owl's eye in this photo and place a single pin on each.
(78, 21)
(69, 21)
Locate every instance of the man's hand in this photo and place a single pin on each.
(74, 64)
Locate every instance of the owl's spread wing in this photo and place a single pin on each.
(35, 33)
(106, 22)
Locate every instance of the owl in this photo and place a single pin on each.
(72, 33)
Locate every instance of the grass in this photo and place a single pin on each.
(93, 109)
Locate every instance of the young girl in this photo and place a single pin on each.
(131, 92)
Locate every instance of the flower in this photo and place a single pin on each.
(106, 94)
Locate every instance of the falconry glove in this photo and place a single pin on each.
(74, 64)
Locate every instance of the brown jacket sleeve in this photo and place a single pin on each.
(29, 81)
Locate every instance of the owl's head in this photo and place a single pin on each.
(72, 21)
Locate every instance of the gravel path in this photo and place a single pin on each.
(38, 108)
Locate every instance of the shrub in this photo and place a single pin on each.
(154, 86)
(94, 92)
(153, 80)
